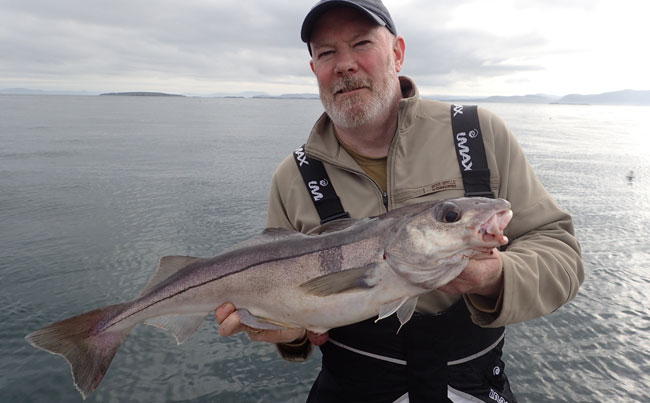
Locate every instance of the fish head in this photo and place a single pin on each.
(431, 247)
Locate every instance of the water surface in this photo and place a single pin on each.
(93, 190)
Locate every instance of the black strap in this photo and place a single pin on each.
(320, 187)
(470, 151)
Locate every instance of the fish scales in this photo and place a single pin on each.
(200, 274)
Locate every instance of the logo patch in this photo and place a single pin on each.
(463, 150)
(301, 156)
(496, 397)
(314, 188)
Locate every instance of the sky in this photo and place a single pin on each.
(208, 47)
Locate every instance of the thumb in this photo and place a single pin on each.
(318, 339)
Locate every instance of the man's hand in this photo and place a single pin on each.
(229, 324)
(318, 339)
(482, 276)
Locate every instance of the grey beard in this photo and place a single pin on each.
(352, 111)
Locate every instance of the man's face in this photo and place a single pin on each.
(356, 63)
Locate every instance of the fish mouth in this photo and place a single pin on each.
(491, 231)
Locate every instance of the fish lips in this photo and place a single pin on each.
(491, 233)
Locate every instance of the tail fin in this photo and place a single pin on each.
(80, 340)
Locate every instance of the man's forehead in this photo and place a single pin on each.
(373, 9)
(355, 23)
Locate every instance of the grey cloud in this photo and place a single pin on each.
(228, 40)
(222, 40)
(435, 53)
(439, 53)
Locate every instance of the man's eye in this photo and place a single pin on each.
(325, 53)
(362, 43)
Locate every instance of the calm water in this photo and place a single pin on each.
(93, 190)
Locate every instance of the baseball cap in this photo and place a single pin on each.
(374, 9)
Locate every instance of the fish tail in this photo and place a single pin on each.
(83, 343)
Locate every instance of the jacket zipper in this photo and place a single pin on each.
(384, 195)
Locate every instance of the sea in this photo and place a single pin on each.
(95, 189)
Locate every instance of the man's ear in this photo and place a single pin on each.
(311, 64)
(399, 46)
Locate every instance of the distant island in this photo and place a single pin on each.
(142, 94)
(624, 97)
(289, 96)
(514, 99)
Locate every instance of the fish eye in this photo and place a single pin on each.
(449, 213)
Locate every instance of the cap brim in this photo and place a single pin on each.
(319, 9)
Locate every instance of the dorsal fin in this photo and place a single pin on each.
(332, 226)
(268, 235)
(167, 266)
(278, 232)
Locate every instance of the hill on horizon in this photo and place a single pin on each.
(623, 97)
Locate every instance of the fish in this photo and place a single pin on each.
(343, 272)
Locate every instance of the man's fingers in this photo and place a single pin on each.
(318, 339)
(231, 325)
(224, 311)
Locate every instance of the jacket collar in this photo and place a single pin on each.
(323, 145)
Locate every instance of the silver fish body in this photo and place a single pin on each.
(347, 271)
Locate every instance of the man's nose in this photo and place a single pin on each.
(345, 63)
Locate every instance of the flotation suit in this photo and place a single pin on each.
(433, 358)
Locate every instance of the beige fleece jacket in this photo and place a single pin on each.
(542, 264)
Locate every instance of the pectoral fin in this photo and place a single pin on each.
(390, 308)
(347, 280)
(255, 322)
(405, 312)
(404, 308)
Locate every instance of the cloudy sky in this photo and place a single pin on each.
(203, 47)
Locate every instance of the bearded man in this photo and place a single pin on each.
(382, 147)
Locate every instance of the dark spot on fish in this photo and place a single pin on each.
(331, 260)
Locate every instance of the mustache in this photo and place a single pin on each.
(350, 83)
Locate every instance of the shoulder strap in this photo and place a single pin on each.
(470, 151)
(319, 186)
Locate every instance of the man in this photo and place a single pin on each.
(383, 147)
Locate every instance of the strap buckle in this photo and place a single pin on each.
(489, 195)
(344, 214)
